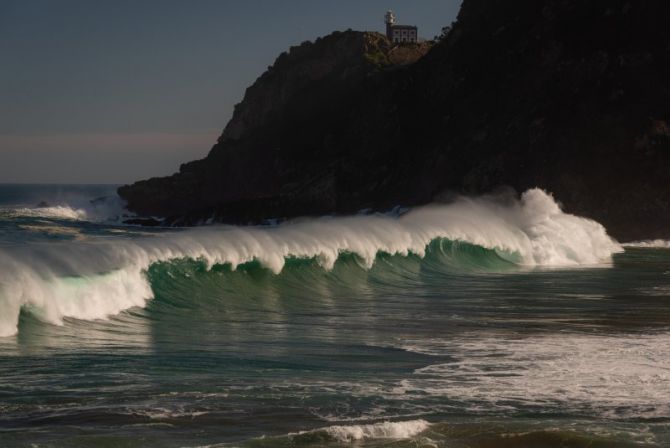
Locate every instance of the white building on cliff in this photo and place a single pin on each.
(399, 33)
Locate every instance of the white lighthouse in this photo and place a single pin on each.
(399, 33)
(389, 18)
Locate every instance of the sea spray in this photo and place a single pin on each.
(67, 207)
(650, 244)
(96, 279)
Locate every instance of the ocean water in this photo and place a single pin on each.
(483, 323)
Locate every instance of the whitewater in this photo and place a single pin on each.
(485, 321)
(96, 279)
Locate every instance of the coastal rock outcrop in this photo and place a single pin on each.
(275, 156)
(566, 95)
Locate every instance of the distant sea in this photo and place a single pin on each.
(475, 324)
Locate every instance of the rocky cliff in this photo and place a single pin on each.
(567, 95)
(275, 156)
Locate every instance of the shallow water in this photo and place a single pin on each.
(508, 336)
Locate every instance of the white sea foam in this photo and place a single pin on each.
(625, 376)
(383, 430)
(650, 244)
(64, 212)
(354, 433)
(96, 279)
(165, 413)
(75, 208)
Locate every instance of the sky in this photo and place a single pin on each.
(113, 91)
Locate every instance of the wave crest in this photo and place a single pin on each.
(383, 430)
(63, 212)
(96, 279)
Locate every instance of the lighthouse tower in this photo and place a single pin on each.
(389, 18)
(399, 34)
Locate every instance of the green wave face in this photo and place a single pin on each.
(175, 281)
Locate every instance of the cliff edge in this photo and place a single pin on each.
(569, 96)
(275, 156)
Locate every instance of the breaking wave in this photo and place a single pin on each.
(356, 435)
(383, 430)
(99, 278)
(104, 209)
(63, 212)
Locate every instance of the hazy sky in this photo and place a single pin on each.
(111, 91)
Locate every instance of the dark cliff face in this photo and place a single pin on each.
(312, 73)
(270, 159)
(567, 95)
